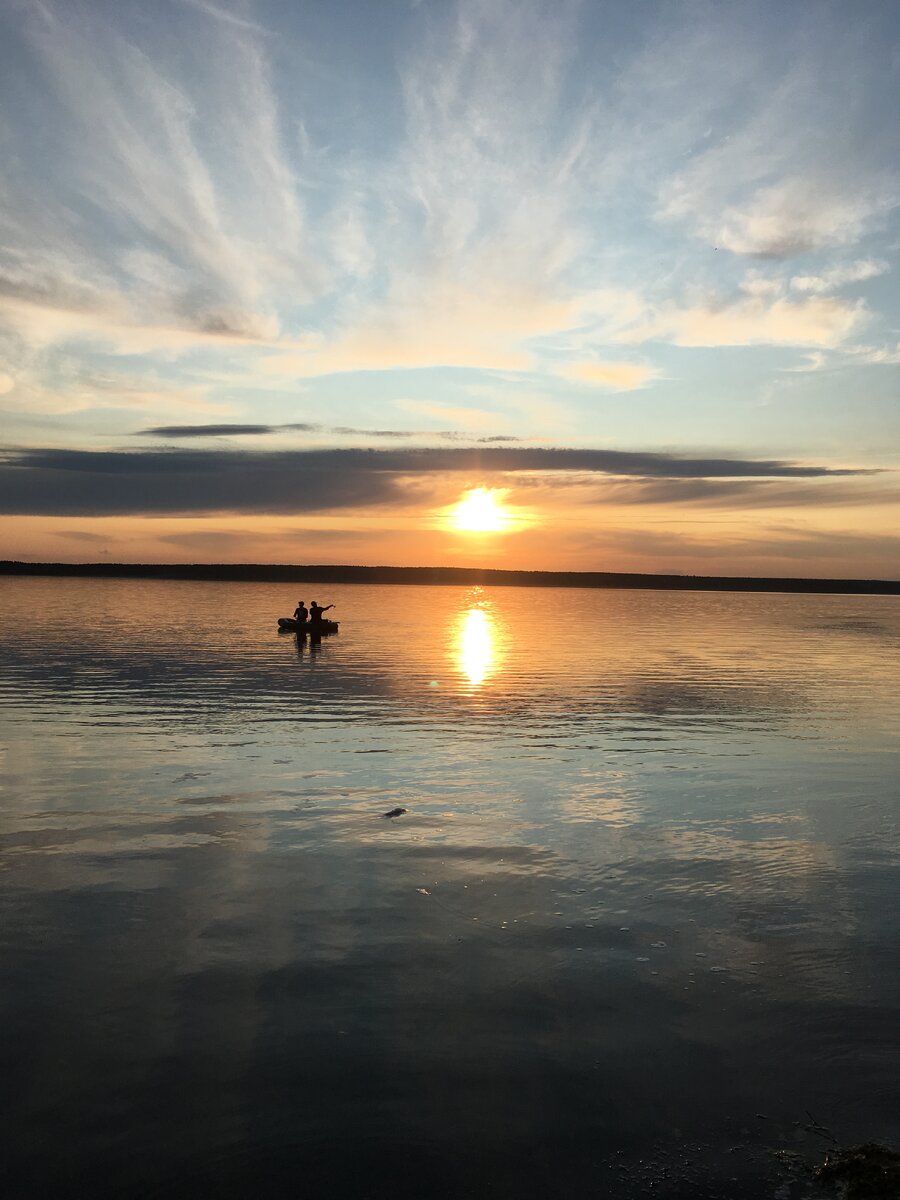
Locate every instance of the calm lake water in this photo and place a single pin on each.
(637, 928)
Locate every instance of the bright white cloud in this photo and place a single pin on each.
(798, 216)
(755, 321)
(76, 390)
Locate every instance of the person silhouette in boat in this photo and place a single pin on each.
(316, 610)
(301, 613)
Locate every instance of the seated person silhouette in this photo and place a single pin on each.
(316, 610)
(301, 613)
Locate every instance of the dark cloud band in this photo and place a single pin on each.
(99, 483)
(201, 431)
(187, 432)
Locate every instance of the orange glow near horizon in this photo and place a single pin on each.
(481, 511)
(563, 525)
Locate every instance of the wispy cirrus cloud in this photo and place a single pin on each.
(839, 276)
(807, 165)
(782, 220)
(219, 13)
(887, 355)
(754, 319)
(617, 376)
(186, 234)
(186, 205)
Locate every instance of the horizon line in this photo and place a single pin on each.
(449, 575)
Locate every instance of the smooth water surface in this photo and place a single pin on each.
(636, 930)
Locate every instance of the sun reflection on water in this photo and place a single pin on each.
(475, 647)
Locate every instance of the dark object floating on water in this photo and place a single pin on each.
(866, 1172)
(292, 626)
(395, 812)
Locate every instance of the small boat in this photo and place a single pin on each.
(290, 625)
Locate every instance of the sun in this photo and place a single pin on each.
(481, 511)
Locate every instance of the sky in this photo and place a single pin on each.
(283, 281)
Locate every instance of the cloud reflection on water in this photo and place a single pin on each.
(644, 881)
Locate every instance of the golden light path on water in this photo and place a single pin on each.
(476, 648)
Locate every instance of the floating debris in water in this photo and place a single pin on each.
(423, 891)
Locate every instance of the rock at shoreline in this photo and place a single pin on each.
(866, 1172)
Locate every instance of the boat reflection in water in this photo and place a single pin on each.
(476, 646)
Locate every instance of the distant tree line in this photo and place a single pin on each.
(458, 576)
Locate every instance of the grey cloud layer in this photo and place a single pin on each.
(745, 493)
(203, 431)
(94, 483)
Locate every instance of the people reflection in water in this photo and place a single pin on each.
(316, 610)
(301, 613)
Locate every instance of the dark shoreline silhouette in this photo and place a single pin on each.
(458, 576)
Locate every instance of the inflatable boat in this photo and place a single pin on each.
(292, 626)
